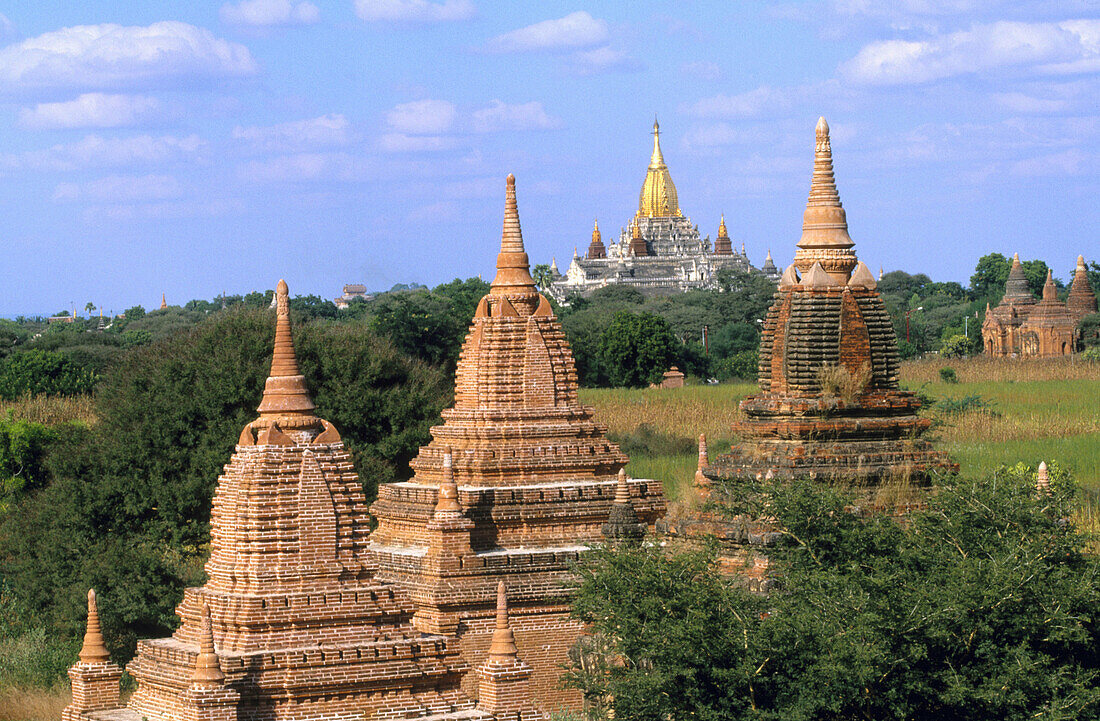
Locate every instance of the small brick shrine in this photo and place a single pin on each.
(513, 486)
(293, 623)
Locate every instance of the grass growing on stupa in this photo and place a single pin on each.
(1000, 411)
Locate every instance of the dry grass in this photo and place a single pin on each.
(49, 410)
(33, 704)
(685, 412)
(1000, 370)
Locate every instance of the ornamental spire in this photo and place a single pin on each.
(208, 671)
(447, 505)
(657, 159)
(503, 648)
(93, 650)
(513, 267)
(285, 393)
(825, 236)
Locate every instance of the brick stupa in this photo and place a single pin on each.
(828, 324)
(301, 626)
(1081, 300)
(513, 486)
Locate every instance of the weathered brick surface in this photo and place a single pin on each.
(535, 479)
(827, 319)
(302, 627)
(1020, 327)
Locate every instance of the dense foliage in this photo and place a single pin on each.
(981, 606)
(128, 505)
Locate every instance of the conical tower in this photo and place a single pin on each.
(723, 245)
(535, 476)
(94, 678)
(596, 249)
(292, 603)
(825, 238)
(829, 405)
(1050, 329)
(658, 197)
(1002, 328)
(1082, 299)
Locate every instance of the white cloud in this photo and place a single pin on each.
(306, 167)
(1068, 162)
(419, 11)
(91, 110)
(161, 210)
(1023, 103)
(264, 13)
(97, 151)
(7, 27)
(114, 56)
(325, 130)
(121, 189)
(743, 105)
(702, 69)
(1047, 48)
(603, 60)
(422, 117)
(523, 116)
(402, 143)
(576, 30)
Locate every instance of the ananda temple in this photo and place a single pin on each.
(659, 252)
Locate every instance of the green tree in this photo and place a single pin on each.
(541, 274)
(1036, 273)
(421, 324)
(134, 313)
(36, 371)
(980, 607)
(637, 348)
(957, 346)
(89, 307)
(990, 276)
(1089, 328)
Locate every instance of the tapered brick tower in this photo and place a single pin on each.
(301, 626)
(596, 249)
(534, 477)
(829, 405)
(723, 245)
(1082, 299)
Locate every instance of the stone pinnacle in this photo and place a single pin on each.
(93, 650)
(503, 647)
(447, 504)
(285, 392)
(208, 671)
(513, 267)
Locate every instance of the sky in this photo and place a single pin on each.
(197, 148)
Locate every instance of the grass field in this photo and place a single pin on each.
(1035, 410)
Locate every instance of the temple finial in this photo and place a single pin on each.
(622, 488)
(447, 505)
(285, 392)
(208, 671)
(1042, 482)
(825, 236)
(503, 647)
(93, 650)
(513, 267)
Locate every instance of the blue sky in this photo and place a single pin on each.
(195, 148)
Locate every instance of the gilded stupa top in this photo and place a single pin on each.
(658, 197)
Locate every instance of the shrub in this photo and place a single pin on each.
(743, 365)
(48, 372)
(1091, 355)
(645, 440)
(948, 375)
(966, 404)
(637, 348)
(957, 346)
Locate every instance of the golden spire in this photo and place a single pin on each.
(513, 267)
(93, 650)
(722, 232)
(163, 302)
(285, 392)
(596, 238)
(208, 671)
(503, 648)
(825, 236)
(658, 197)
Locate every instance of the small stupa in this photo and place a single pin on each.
(596, 249)
(535, 478)
(829, 405)
(723, 245)
(1082, 299)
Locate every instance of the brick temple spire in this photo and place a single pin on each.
(93, 650)
(504, 679)
(723, 245)
(447, 505)
(95, 678)
(596, 249)
(513, 277)
(503, 647)
(1082, 299)
(702, 483)
(208, 672)
(285, 392)
(825, 236)
(637, 242)
(622, 522)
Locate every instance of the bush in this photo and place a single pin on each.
(645, 440)
(957, 346)
(23, 448)
(637, 348)
(743, 365)
(39, 371)
(948, 375)
(966, 404)
(1091, 355)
